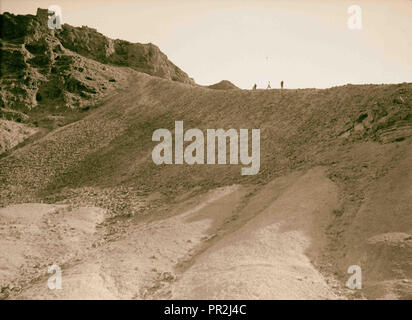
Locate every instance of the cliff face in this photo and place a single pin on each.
(71, 67)
(145, 58)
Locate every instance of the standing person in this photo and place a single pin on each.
(281, 84)
(254, 87)
(269, 87)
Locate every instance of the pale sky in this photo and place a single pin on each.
(306, 43)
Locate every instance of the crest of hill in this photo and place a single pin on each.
(223, 85)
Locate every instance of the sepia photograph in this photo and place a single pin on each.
(208, 150)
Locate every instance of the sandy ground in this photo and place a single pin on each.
(230, 243)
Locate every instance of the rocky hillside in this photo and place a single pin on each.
(71, 67)
(359, 135)
(145, 58)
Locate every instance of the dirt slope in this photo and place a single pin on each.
(299, 129)
(198, 251)
(267, 257)
(359, 135)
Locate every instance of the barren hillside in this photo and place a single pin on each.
(358, 135)
(334, 190)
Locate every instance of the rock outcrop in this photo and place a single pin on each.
(145, 58)
(72, 67)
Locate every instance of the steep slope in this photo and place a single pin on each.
(299, 128)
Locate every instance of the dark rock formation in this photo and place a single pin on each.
(71, 67)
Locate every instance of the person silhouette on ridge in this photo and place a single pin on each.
(269, 87)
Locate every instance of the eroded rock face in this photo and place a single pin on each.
(72, 67)
(145, 58)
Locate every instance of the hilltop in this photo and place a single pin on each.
(223, 85)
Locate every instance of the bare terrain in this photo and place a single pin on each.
(334, 188)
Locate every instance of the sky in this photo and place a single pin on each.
(305, 43)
